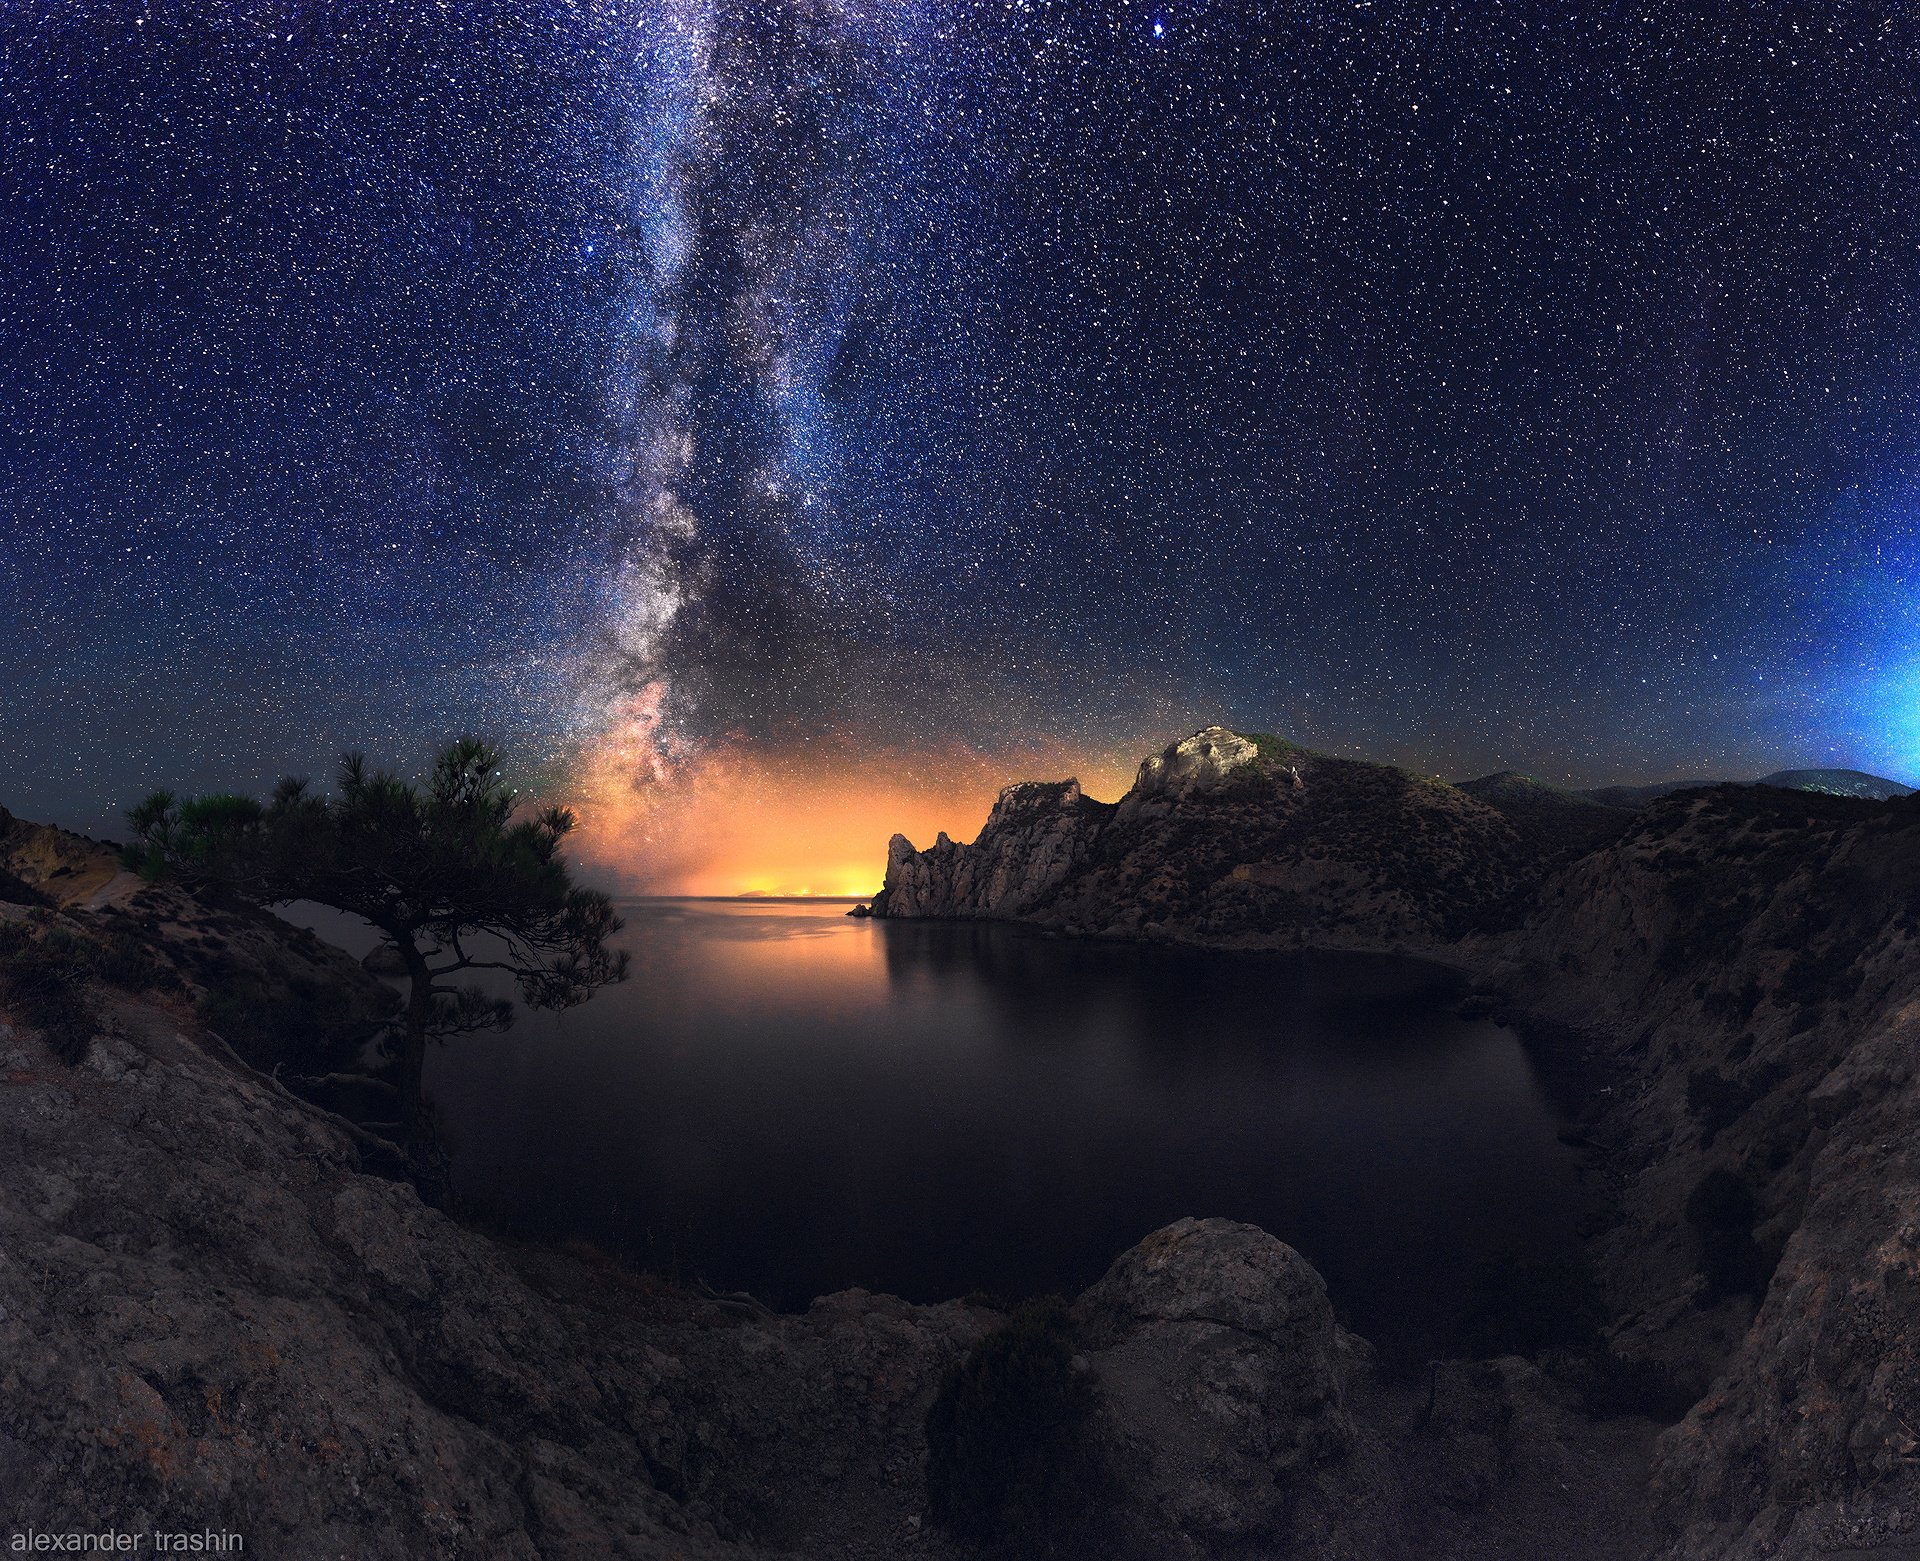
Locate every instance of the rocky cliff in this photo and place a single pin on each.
(1749, 957)
(1738, 962)
(1041, 834)
(1231, 839)
(214, 1318)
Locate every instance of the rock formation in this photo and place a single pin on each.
(1045, 829)
(212, 1317)
(1740, 963)
(1229, 839)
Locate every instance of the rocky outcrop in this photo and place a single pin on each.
(1216, 1351)
(1236, 841)
(1749, 955)
(1200, 763)
(213, 1318)
(1041, 833)
(1250, 1424)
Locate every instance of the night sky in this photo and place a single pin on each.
(785, 395)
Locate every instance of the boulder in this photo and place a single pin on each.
(1218, 1361)
(1196, 763)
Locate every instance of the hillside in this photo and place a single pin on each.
(1231, 839)
(1549, 819)
(1838, 783)
(1738, 963)
(1640, 796)
(1748, 955)
(277, 994)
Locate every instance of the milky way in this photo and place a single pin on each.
(1471, 385)
(755, 142)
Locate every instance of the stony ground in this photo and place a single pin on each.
(210, 1318)
(213, 1316)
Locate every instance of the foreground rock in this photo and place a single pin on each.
(212, 1317)
(1218, 1356)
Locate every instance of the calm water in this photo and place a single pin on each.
(789, 1101)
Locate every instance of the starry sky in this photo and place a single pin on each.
(862, 403)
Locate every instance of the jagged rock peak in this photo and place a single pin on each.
(1034, 797)
(1194, 763)
(1037, 832)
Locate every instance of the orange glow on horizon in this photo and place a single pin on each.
(733, 822)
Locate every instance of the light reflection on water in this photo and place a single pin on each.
(787, 1100)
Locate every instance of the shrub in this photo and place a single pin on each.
(17, 891)
(1008, 1427)
(126, 961)
(44, 979)
(307, 1025)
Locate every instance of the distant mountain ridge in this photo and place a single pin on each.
(1838, 783)
(1833, 783)
(1549, 818)
(1232, 837)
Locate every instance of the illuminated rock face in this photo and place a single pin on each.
(1223, 839)
(1041, 831)
(1196, 763)
(1038, 832)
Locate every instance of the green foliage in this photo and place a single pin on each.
(1271, 746)
(125, 960)
(1722, 1211)
(213, 840)
(1008, 1428)
(442, 867)
(307, 1026)
(44, 978)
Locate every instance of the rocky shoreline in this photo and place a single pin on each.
(1736, 962)
(216, 1312)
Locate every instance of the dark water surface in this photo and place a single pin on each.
(789, 1101)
